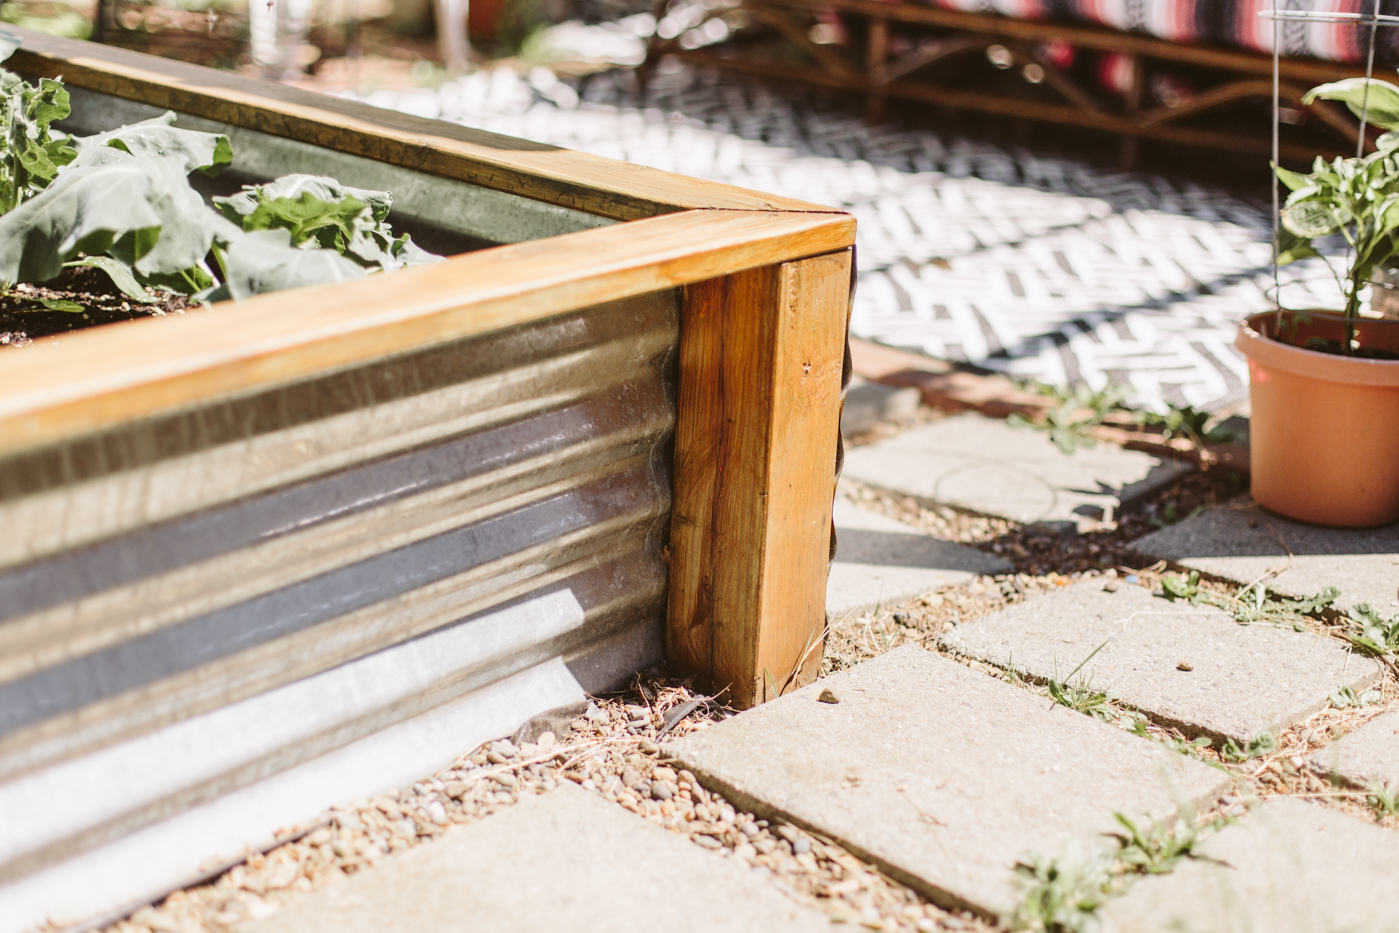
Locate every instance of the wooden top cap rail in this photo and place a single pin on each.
(85, 380)
(584, 182)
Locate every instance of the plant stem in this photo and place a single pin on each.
(1352, 311)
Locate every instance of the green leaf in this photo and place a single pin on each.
(29, 155)
(352, 221)
(156, 138)
(1312, 219)
(120, 274)
(59, 304)
(321, 187)
(327, 224)
(1177, 587)
(1292, 180)
(265, 261)
(1377, 100)
(107, 198)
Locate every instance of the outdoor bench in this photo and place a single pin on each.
(1189, 71)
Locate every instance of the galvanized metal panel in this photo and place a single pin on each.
(164, 573)
(492, 217)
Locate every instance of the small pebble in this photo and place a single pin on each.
(546, 740)
(828, 696)
(1185, 666)
(647, 746)
(1110, 586)
(660, 790)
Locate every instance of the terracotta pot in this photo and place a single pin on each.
(1325, 428)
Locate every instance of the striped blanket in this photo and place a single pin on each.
(1225, 22)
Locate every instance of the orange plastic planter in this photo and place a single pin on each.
(1325, 428)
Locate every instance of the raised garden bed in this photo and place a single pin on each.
(300, 548)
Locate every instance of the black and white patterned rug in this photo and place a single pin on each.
(1041, 267)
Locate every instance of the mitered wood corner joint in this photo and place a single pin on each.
(761, 359)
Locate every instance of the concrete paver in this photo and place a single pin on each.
(566, 860)
(1287, 867)
(1242, 679)
(870, 403)
(1369, 755)
(883, 560)
(1239, 541)
(987, 466)
(942, 776)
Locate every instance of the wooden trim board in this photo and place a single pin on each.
(761, 360)
(82, 381)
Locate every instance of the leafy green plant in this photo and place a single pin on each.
(1188, 422)
(1251, 603)
(1081, 697)
(1357, 198)
(1070, 425)
(1264, 743)
(1344, 697)
(1064, 893)
(1154, 849)
(30, 155)
(1383, 800)
(121, 202)
(1373, 634)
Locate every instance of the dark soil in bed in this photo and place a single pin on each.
(23, 319)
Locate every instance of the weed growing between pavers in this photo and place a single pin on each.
(612, 749)
(1064, 893)
(1251, 603)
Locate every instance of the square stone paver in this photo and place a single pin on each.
(882, 560)
(1243, 679)
(1287, 867)
(943, 776)
(1241, 542)
(987, 466)
(868, 404)
(1369, 755)
(566, 860)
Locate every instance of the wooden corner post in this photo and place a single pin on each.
(761, 354)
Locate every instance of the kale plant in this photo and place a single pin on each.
(121, 202)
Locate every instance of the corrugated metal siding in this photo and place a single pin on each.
(164, 570)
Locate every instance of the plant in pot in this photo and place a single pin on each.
(1325, 384)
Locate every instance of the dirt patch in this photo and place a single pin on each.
(24, 319)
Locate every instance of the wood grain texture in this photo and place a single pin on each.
(584, 182)
(84, 381)
(761, 355)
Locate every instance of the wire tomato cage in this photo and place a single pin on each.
(1374, 20)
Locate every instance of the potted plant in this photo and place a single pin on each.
(1325, 384)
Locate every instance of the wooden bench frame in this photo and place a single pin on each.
(762, 362)
(878, 75)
